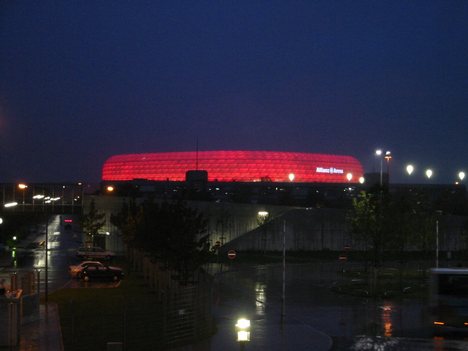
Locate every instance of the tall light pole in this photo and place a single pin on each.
(283, 295)
(263, 217)
(388, 157)
(438, 214)
(437, 243)
(378, 153)
(23, 188)
(47, 262)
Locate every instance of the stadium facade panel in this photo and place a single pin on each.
(234, 166)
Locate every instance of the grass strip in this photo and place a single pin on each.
(129, 313)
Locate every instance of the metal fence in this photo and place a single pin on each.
(170, 315)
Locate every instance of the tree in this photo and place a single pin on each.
(186, 245)
(400, 224)
(171, 233)
(366, 224)
(424, 225)
(92, 221)
(127, 221)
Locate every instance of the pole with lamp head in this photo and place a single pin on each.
(46, 278)
(378, 153)
(388, 157)
(283, 293)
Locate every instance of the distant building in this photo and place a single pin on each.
(235, 166)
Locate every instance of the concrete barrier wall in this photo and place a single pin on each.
(304, 230)
(238, 226)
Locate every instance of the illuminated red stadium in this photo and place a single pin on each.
(235, 166)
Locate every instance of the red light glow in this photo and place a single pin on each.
(234, 166)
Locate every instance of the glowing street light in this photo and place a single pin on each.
(109, 188)
(362, 180)
(388, 157)
(23, 188)
(378, 153)
(349, 176)
(262, 218)
(10, 204)
(429, 173)
(243, 330)
(291, 177)
(461, 175)
(410, 169)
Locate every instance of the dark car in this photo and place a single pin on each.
(96, 272)
(75, 270)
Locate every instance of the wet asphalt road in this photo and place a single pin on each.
(63, 241)
(315, 318)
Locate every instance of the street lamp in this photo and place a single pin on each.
(291, 177)
(409, 169)
(461, 176)
(46, 278)
(23, 188)
(388, 157)
(378, 153)
(10, 204)
(262, 218)
(349, 176)
(13, 250)
(429, 173)
(362, 180)
(437, 243)
(438, 213)
(283, 290)
(243, 331)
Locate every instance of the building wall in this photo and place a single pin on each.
(238, 226)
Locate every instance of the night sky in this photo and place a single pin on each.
(83, 80)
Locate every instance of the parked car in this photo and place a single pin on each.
(75, 270)
(94, 253)
(105, 272)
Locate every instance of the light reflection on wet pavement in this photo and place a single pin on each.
(315, 317)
